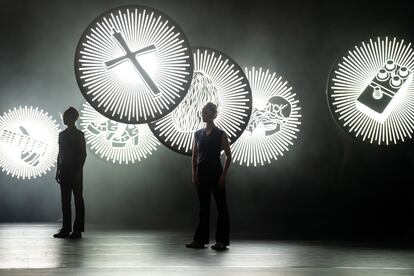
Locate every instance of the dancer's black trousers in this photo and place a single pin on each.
(66, 189)
(205, 188)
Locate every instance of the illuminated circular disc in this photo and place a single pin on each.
(133, 64)
(274, 122)
(114, 141)
(28, 142)
(217, 78)
(371, 92)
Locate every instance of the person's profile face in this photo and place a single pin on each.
(65, 120)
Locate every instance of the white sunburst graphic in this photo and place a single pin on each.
(274, 122)
(28, 142)
(133, 64)
(114, 141)
(217, 78)
(371, 91)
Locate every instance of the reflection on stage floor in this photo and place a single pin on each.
(29, 249)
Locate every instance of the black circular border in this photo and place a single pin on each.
(80, 82)
(249, 104)
(329, 83)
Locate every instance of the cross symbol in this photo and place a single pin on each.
(131, 56)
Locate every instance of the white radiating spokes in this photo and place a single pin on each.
(217, 78)
(118, 142)
(274, 122)
(28, 142)
(133, 64)
(371, 91)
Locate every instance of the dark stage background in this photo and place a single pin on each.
(327, 185)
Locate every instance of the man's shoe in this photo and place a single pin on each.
(195, 245)
(75, 235)
(61, 235)
(218, 246)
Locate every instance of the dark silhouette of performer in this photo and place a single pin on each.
(209, 177)
(72, 154)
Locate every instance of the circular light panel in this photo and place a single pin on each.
(371, 92)
(114, 141)
(217, 78)
(274, 122)
(133, 64)
(28, 142)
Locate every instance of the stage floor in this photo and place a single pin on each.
(29, 249)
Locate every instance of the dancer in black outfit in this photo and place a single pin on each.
(209, 177)
(69, 172)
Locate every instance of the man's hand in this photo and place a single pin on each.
(222, 180)
(57, 177)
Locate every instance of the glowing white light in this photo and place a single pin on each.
(133, 64)
(118, 142)
(28, 142)
(371, 91)
(218, 79)
(274, 121)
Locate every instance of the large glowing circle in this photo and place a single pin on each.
(133, 64)
(217, 78)
(371, 91)
(274, 122)
(28, 142)
(114, 141)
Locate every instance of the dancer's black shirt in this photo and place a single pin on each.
(209, 151)
(72, 153)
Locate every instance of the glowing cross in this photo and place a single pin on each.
(131, 56)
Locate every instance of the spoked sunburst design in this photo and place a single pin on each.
(114, 141)
(217, 78)
(371, 91)
(133, 64)
(274, 122)
(28, 142)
